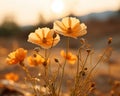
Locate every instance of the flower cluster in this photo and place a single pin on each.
(47, 38)
(16, 56)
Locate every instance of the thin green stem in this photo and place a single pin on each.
(29, 77)
(85, 61)
(80, 57)
(63, 68)
(91, 59)
(98, 61)
(45, 66)
(78, 63)
(51, 45)
(109, 73)
(46, 53)
(96, 65)
(77, 73)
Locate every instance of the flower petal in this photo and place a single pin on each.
(33, 37)
(39, 33)
(59, 26)
(74, 22)
(65, 21)
(46, 31)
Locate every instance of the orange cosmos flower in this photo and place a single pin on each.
(35, 60)
(12, 76)
(16, 56)
(69, 57)
(44, 37)
(70, 27)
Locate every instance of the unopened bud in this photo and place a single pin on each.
(34, 55)
(82, 73)
(54, 35)
(88, 50)
(85, 68)
(117, 83)
(37, 49)
(82, 41)
(112, 92)
(45, 85)
(45, 64)
(56, 60)
(110, 40)
(92, 84)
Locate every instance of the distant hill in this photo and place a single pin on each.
(101, 26)
(100, 16)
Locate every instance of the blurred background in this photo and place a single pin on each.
(20, 17)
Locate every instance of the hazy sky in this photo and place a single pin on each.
(27, 11)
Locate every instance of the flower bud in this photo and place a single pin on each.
(82, 41)
(110, 40)
(37, 49)
(56, 60)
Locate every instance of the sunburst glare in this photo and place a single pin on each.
(57, 6)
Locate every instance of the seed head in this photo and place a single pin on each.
(82, 73)
(56, 60)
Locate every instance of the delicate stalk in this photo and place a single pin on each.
(54, 35)
(87, 78)
(46, 54)
(45, 63)
(98, 61)
(63, 68)
(80, 55)
(77, 73)
(85, 61)
(28, 76)
(109, 73)
(78, 64)
(54, 79)
(91, 59)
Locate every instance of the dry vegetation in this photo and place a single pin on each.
(82, 71)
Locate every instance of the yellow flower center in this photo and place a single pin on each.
(69, 30)
(68, 56)
(44, 40)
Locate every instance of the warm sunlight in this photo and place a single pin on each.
(57, 6)
(27, 12)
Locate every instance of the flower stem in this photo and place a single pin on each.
(101, 58)
(85, 62)
(29, 77)
(45, 66)
(63, 68)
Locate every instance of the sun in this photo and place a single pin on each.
(57, 6)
